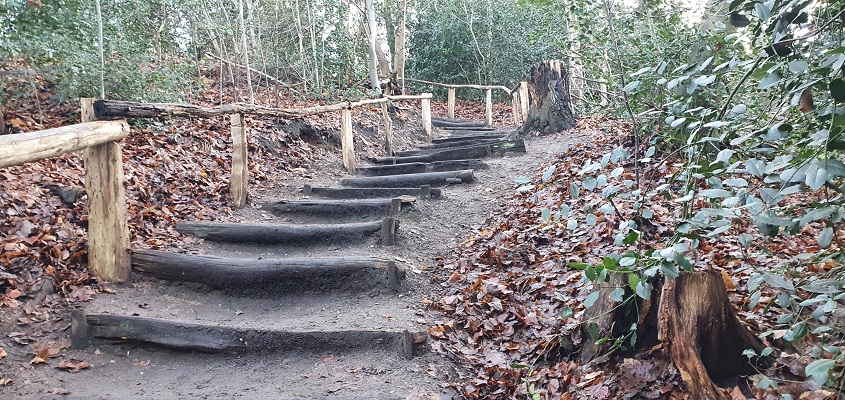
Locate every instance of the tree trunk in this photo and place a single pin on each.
(694, 320)
(548, 94)
(371, 41)
(399, 48)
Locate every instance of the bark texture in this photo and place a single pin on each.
(550, 108)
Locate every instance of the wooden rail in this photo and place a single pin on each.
(107, 109)
(517, 95)
(108, 231)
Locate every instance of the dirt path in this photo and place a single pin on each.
(431, 229)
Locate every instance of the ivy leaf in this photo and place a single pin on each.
(592, 219)
(819, 370)
(631, 86)
(590, 183)
(591, 299)
(633, 281)
(826, 237)
(669, 269)
(547, 175)
(545, 214)
(715, 193)
(617, 295)
(770, 79)
(837, 90)
(736, 182)
(643, 290)
(521, 179)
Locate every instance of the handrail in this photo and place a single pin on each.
(459, 86)
(27, 147)
(129, 109)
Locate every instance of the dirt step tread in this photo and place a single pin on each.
(422, 192)
(412, 180)
(267, 233)
(266, 273)
(193, 336)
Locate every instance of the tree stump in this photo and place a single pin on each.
(692, 317)
(550, 106)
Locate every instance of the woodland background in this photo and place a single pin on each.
(728, 159)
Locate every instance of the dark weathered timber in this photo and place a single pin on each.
(422, 192)
(416, 168)
(410, 180)
(461, 143)
(189, 336)
(460, 153)
(382, 207)
(236, 273)
(443, 123)
(450, 120)
(464, 129)
(433, 148)
(447, 139)
(276, 233)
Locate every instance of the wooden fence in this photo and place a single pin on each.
(108, 231)
(519, 98)
(104, 125)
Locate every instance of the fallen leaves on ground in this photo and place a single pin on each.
(512, 306)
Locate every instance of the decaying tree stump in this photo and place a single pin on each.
(550, 108)
(692, 317)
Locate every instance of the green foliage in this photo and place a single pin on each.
(491, 42)
(755, 113)
(59, 42)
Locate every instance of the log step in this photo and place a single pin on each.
(455, 124)
(288, 233)
(461, 153)
(497, 135)
(423, 192)
(433, 148)
(380, 207)
(210, 338)
(267, 274)
(419, 167)
(411, 180)
(465, 129)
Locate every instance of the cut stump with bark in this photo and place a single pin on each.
(693, 318)
(550, 106)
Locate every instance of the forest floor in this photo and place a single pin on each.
(45, 275)
(485, 275)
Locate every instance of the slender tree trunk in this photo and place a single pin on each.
(102, 55)
(312, 29)
(246, 51)
(399, 48)
(371, 41)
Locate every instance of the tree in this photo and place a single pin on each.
(549, 101)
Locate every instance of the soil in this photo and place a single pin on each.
(430, 229)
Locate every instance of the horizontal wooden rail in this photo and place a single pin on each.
(105, 109)
(33, 146)
(460, 86)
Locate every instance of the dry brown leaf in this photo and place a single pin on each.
(806, 104)
(5, 382)
(3, 353)
(729, 283)
(60, 391)
(71, 366)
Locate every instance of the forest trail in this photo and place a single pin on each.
(335, 309)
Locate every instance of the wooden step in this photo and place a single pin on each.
(419, 167)
(447, 139)
(434, 148)
(379, 207)
(464, 129)
(422, 192)
(269, 274)
(460, 153)
(457, 124)
(288, 233)
(411, 180)
(210, 338)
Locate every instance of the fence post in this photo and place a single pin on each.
(515, 108)
(523, 99)
(346, 140)
(426, 115)
(489, 107)
(108, 231)
(388, 130)
(450, 103)
(239, 181)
